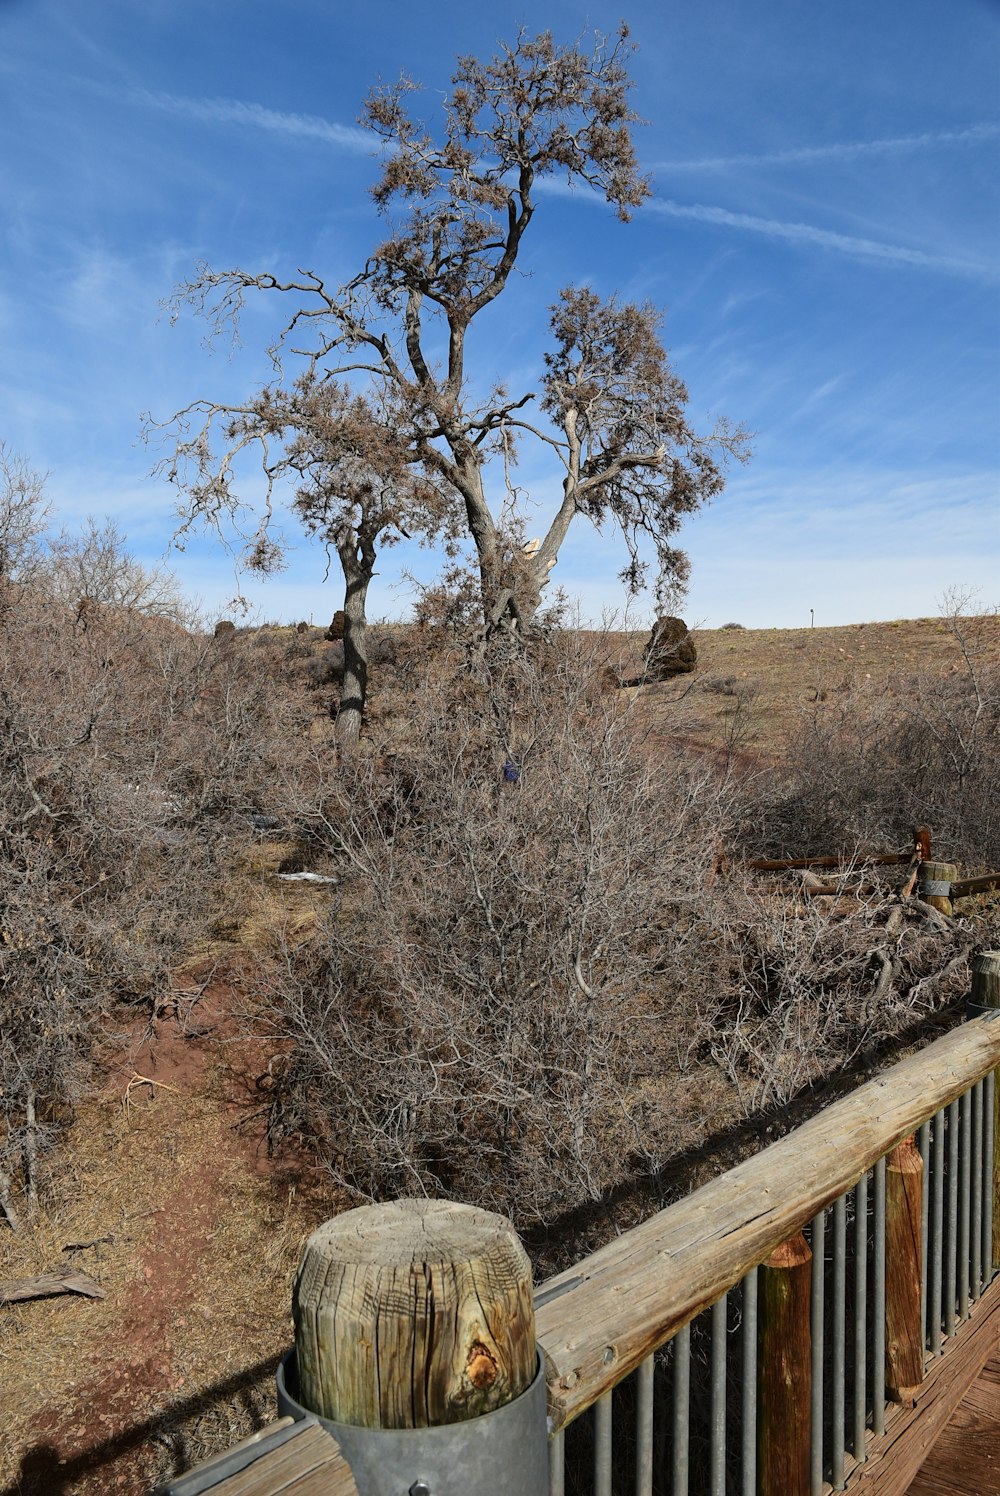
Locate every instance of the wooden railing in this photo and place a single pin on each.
(751, 1337)
(600, 1318)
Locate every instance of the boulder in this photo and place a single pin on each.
(671, 650)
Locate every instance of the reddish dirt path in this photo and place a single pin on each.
(193, 1236)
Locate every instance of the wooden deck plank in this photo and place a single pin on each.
(911, 1433)
(308, 1464)
(965, 1461)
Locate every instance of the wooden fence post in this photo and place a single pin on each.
(904, 1351)
(418, 1316)
(934, 886)
(985, 995)
(784, 1371)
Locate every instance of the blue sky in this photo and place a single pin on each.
(823, 240)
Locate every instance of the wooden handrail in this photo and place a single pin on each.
(604, 1315)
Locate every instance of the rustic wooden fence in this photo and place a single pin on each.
(805, 1322)
(935, 883)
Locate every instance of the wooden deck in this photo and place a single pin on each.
(914, 1434)
(965, 1461)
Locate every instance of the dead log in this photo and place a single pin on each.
(49, 1286)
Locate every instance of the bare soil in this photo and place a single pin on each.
(171, 1205)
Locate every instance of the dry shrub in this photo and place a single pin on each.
(510, 960)
(882, 757)
(129, 750)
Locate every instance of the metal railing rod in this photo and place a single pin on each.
(951, 1226)
(838, 1369)
(681, 1413)
(816, 1330)
(965, 1202)
(924, 1144)
(860, 1315)
(644, 1427)
(989, 1143)
(717, 1453)
(976, 1223)
(748, 1459)
(557, 1464)
(878, 1303)
(937, 1236)
(602, 1445)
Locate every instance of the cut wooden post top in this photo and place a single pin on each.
(413, 1314)
(986, 979)
(416, 1231)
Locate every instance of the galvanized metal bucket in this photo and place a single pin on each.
(504, 1453)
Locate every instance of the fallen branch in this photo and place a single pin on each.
(49, 1286)
(143, 1080)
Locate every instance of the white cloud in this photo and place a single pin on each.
(807, 233)
(243, 113)
(842, 150)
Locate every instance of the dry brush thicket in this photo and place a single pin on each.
(131, 752)
(536, 985)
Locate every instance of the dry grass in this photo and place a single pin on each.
(790, 671)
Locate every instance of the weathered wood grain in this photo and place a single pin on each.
(605, 1314)
(904, 1351)
(963, 887)
(784, 1371)
(413, 1314)
(986, 980)
(793, 864)
(48, 1286)
(932, 873)
(310, 1464)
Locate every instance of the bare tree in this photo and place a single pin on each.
(24, 512)
(354, 489)
(96, 566)
(610, 409)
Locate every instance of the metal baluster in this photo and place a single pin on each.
(965, 1204)
(924, 1144)
(750, 1383)
(717, 1461)
(816, 1329)
(557, 1464)
(878, 1305)
(951, 1226)
(860, 1314)
(681, 1412)
(839, 1327)
(989, 1143)
(937, 1235)
(602, 1446)
(977, 1190)
(644, 1428)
